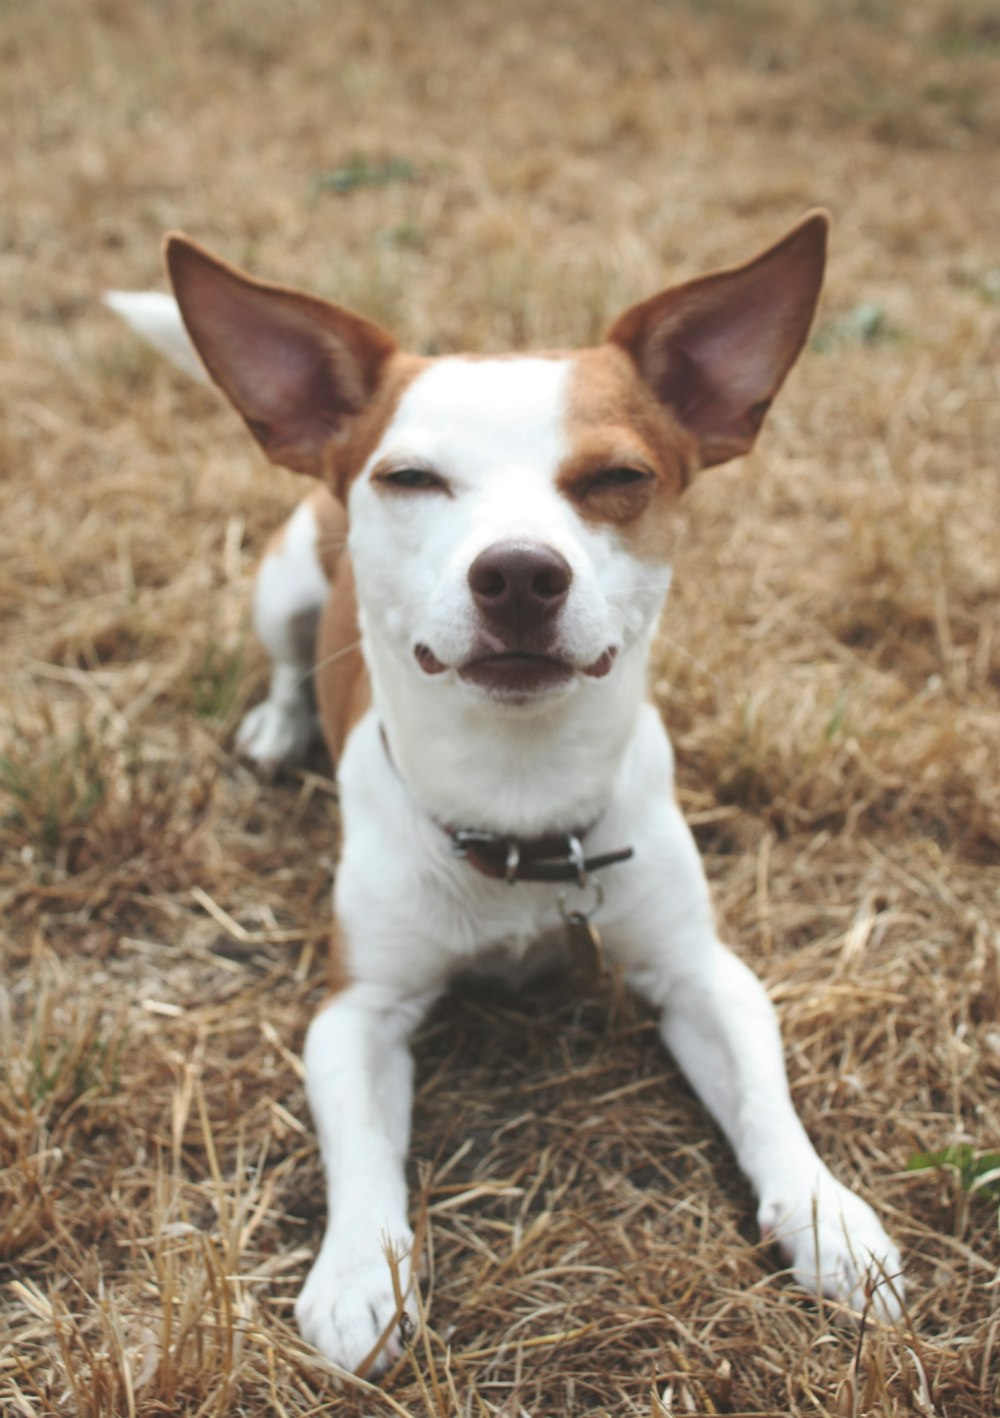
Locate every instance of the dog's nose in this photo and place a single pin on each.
(519, 584)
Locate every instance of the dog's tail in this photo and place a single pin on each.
(157, 319)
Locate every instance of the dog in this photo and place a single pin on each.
(474, 584)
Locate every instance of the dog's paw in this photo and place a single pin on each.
(275, 736)
(349, 1301)
(836, 1245)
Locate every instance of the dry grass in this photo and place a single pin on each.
(482, 175)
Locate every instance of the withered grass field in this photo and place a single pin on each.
(488, 175)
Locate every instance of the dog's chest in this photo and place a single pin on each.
(516, 961)
(494, 924)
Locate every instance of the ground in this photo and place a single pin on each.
(495, 175)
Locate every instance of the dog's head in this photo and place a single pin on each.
(510, 517)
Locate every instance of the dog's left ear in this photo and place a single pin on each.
(716, 350)
(297, 368)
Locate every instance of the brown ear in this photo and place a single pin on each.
(297, 368)
(716, 350)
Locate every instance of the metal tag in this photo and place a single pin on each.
(585, 943)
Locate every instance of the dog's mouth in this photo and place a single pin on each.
(515, 672)
(519, 673)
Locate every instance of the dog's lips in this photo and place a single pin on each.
(428, 661)
(602, 665)
(524, 673)
(520, 671)
(516, 672)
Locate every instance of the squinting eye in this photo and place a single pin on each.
(413, 480)
(618, 477)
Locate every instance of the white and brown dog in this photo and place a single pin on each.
(477, 580)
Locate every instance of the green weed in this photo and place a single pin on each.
(216, 683)
(977, 1172)
(361, 171)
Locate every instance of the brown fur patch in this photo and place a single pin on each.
(331, 539)
(342, 689)
(614, 421)
(346, 454)
(338, 975)
(341, 680)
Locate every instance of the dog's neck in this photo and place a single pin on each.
(524, 771)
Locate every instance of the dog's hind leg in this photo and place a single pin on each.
(292, 587)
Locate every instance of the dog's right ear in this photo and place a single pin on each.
(298, 369)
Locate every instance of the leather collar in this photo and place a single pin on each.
(557, 857)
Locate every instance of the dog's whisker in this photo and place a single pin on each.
(330, 660)
(663, 640)
(620, 591)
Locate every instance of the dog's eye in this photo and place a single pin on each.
(412, 480)
(618, 477)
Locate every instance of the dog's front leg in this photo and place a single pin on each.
(359, 1083)
(720, 1026)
